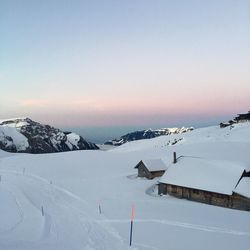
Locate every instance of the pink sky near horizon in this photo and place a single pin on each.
(70, 112)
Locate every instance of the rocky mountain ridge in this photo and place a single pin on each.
(28, 136)
(147, 134)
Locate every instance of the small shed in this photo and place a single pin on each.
(151, 168)
(207, 181)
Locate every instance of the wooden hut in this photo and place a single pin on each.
(207, 181)
(151, 168)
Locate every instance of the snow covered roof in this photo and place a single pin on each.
(243, 188)
(154, 164)
(204, 174)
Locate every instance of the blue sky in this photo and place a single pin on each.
(103, 63)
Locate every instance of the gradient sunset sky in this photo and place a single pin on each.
(124, 62)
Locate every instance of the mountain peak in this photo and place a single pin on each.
(25, 135)
(147, 134)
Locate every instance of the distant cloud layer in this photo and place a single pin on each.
(35, 103)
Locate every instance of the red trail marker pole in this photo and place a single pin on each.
(131, 224)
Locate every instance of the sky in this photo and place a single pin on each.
(124, 63)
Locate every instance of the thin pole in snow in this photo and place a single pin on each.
(42, 211)
(131, 224)
(100, 210)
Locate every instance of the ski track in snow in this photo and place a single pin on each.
(184, 225)
(56, 208)
(19, 211)
(144, 247)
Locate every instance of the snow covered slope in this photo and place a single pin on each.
(25, 135)
(72, 185)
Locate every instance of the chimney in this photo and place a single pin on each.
(175, 159)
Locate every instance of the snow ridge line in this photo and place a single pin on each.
(184, 225)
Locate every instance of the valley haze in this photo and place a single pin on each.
(101, 134)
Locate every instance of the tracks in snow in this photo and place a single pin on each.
(68, 222)
(186, 225)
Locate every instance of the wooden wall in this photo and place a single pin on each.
(144, 172)
(157, 173)
(230, 201)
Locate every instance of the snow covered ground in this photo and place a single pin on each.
(69, 187)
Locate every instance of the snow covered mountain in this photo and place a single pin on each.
(147, 134)
(25, 135)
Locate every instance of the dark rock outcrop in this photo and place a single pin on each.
(25, 135)
(244, 117)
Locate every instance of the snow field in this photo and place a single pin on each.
(81, 181)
